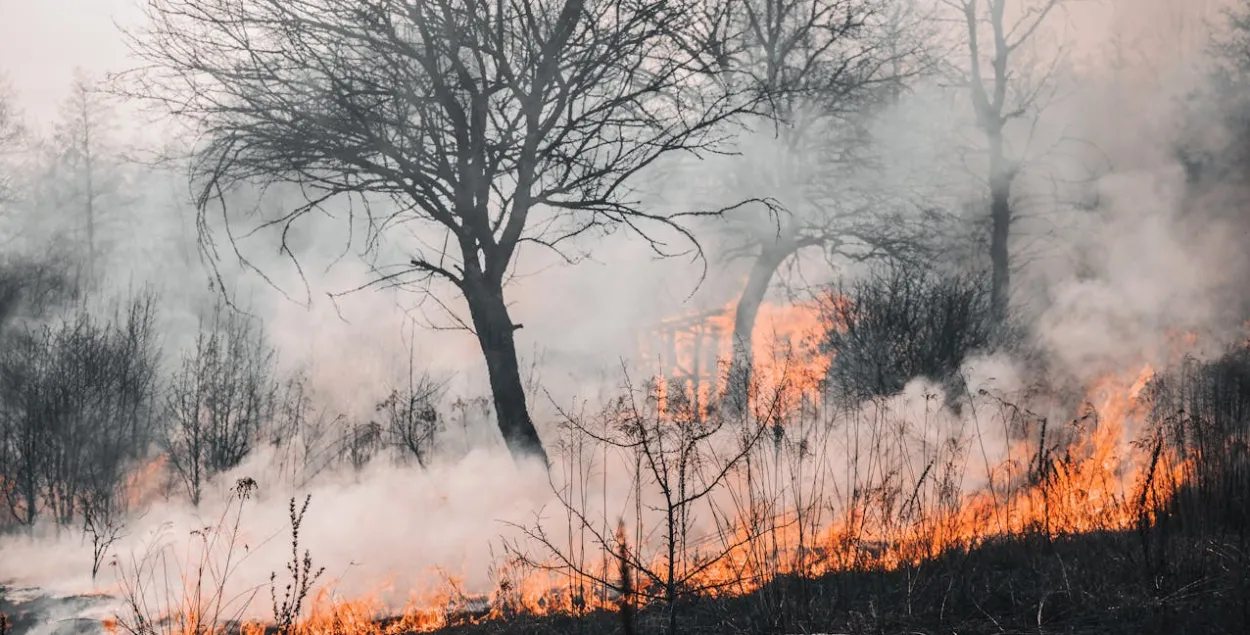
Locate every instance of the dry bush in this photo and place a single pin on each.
(286, 612)
(220, 400)
(302, 433)
(166, 593)
(76, 414)
(676, 457)
(902, 322)
(309, 438)
(411, 420)
(189, 593)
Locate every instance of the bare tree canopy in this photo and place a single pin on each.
(87, 171)
(490, 122)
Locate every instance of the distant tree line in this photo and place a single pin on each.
(88, 400)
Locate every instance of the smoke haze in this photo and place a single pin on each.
(1118, 261)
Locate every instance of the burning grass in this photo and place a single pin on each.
(1000, 507)
(758, 525)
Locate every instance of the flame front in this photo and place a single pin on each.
(899, 493)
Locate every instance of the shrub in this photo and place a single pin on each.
(220, 400)
(901, 322)
(410, 419)
(75, 412)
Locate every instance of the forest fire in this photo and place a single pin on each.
(1013, 402)
(1102, 480)
(1088, 474)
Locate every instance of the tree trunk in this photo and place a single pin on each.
(741, 365)
(90, 200)
(495, 335)
(1001, 175)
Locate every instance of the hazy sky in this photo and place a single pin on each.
(41, 41)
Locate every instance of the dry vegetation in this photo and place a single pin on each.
(862, 474)
(800, 515)
(902, 550)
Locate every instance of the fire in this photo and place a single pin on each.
(431, 611)
(1095, 483)
(364, 616)
(1091, 472)
(145, 484)
(789, 366)
(1102, 481)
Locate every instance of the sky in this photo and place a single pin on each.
(42, 41)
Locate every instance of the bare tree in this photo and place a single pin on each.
(24, 444)
(102, 524)
(220, 400)
(485, 124)
(1012, 89)
(823, 65)
(75, 411)
(27, 290)
(124, 426)
(1212, 146)
(88, 159)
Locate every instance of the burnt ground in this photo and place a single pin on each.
(30, 611)
(1105, 584)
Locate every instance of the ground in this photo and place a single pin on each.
(29, 611)
(1104, 584)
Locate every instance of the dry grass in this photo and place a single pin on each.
(1173, 570)
(813, 518)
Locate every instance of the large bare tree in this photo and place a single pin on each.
(1005, 82)
(487, 123)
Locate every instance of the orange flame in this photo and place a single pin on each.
(788, 363)
(1096, 477)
